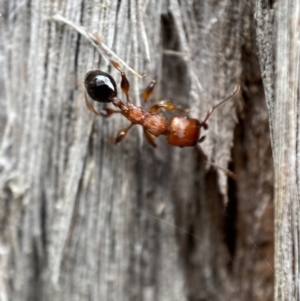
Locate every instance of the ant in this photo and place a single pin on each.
(180, 131)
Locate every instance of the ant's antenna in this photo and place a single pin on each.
(236, 90)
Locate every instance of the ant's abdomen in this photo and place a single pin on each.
(184, 131)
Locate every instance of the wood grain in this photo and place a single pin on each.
(82, 219)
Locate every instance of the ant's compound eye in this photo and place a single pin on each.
(100, 86)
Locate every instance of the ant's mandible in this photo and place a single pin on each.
(180, 131)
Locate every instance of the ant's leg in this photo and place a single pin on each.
(204, 159)
(124, 82)
(122, 133)
(201, 139)
(237, 88)
(148, 91)
(149, 138)
(167, 106)
(105, 113)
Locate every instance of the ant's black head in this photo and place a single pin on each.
(100, 86)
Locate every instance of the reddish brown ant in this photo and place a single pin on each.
(101, 87)
(180, 131)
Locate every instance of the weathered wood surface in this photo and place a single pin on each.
(79, 216)
(280, 65)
